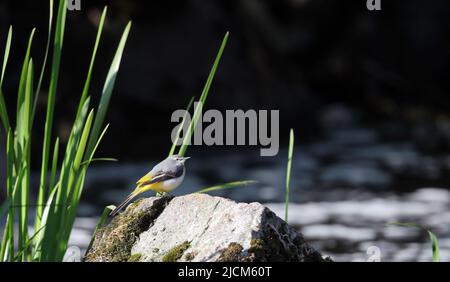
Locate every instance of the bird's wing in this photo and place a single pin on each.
(158, 177)
(145, 178)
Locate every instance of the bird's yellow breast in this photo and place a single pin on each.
(163, 186)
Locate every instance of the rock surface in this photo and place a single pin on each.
(199, 227)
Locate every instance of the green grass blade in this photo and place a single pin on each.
(97, 144)
(54, 229)
(42, 189)
(23, 118)
(433, 238)
(174, 144)
(3, 210)
(24, 73)
(27, 244)
(54, 75)
(107, 91)
(54, 166)
(24, 113)
(3, 111)
(434, 246)
(67, 172)
(10, 164)
(69, 216)
(16, 198)
(99, 160)
(228, 185)
(44, 62)
(72, 180)
(46, 218)
(8, 245)
(71, 191)
(288, 174)
(7, 251)
(83, 141)
(203, 97)
(6, 54)
(23, 146)
(91, 64)
(74, 200)
(42, 193)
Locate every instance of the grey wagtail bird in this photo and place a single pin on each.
(164, 177)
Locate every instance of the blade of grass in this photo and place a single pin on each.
(8, 242)
(77, 178)
(37, 254)
(54, 166)
(288, 174)
(72, 197)
(3, 210)
(228, 185)
(83, 141)
(100, 160)
(69, 217)
(23, 142)
(74, 157)
(3, 112)
(174, 144)
(9, 230)
(97, 144)
(91, 64)
(433, 238)
(50, 185)
(107, 91)
(434, 246)
(44, 62)
(27, 244)
(54, 75)
(77, 193)
(23, 117)
(6, 54)
(203, 97)
(67, 177)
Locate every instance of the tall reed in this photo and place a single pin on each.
(60, 189)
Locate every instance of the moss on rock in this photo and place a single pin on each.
(114, 241)
(134, 257)
(176, 252)
(231, 253)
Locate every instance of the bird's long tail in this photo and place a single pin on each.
(124, 203)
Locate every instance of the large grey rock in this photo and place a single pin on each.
(199, 227)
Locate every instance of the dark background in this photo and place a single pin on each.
(297, 56)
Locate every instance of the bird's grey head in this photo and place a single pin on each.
(179, 159)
